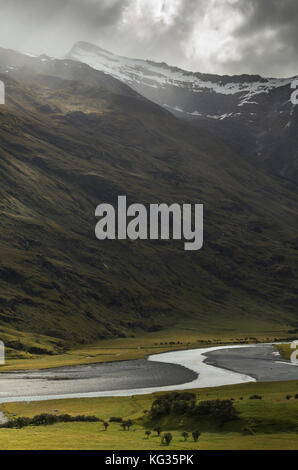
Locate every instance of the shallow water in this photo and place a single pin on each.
(176, 370)
(124, 375)
(262, 362)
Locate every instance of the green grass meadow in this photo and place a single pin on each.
(269, 423)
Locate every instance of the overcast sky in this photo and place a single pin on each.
(219, 36)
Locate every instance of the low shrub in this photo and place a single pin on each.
(221, 409)
(115, 419)
(47, 419)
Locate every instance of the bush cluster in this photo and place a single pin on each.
(179, 403)
(115, 419)
(185, 403)
(47, 419)
(221, 409)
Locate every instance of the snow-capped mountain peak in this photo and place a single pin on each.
(178, 90)
(253, 114)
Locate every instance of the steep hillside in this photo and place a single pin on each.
(72, 137)
(251, 113)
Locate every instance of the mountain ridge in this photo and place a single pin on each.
(255, 108)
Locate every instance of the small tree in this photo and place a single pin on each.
(185, 435)
(158, 430)
(106, 425)
(196, 435)
(167, 438)
(148, 433)
(129, 423)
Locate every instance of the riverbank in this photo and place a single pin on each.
(138, 347)
(114, 350)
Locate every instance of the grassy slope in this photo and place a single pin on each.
(67, 145)
(271, 422)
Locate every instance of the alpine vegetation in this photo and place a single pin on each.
(160, 222)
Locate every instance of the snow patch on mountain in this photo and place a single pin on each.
(146, 73)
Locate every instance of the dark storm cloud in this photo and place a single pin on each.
(268, 13)
(268, 38)
(224, 36)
